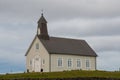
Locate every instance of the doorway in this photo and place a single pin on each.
(37, 64)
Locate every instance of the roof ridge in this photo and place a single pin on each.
(67, 38)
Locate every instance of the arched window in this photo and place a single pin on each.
(37, 45)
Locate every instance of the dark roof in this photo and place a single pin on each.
(42, 19)
(68, 46)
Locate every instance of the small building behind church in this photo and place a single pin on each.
(51, 54)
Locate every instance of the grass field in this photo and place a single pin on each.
(64, 74)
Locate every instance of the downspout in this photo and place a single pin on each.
(49, 62)
(95, 64)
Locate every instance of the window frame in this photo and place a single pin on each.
(30, 63)
(80, 63)
(37, 46)
(69, 62)
(87, 64)
(59, 62)
(43, 61)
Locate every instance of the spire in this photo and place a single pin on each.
(42, 31)
(42, 19)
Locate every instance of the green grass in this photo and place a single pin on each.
(64, 74)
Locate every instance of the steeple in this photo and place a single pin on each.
(42, 28)
(42, 19)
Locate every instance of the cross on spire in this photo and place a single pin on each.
(42, 12)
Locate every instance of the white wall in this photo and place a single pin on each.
(42, 52)
(54, 65)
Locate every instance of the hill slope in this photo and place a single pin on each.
(65, 74)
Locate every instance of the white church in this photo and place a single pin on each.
(50, 54)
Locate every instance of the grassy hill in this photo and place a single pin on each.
(64, 74)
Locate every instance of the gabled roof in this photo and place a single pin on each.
(57, 45)
(30, 45)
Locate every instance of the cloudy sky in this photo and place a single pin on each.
(96, 21)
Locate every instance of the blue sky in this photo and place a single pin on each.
(96, 21)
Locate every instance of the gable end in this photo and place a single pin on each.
(30, 46)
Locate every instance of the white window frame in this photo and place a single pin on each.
(30, 63)
(87, 64)
(80, 63)
(61, 62)
(37, 46)
(43, 61)
(69, 62)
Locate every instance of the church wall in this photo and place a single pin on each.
(54, 62)
(33, 53)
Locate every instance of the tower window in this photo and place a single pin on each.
(38, 31)
(37, 46)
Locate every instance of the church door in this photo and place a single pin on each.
(37, 62)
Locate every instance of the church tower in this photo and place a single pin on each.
(42, 31)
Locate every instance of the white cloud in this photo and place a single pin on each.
(86, 27)
(104, 43)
